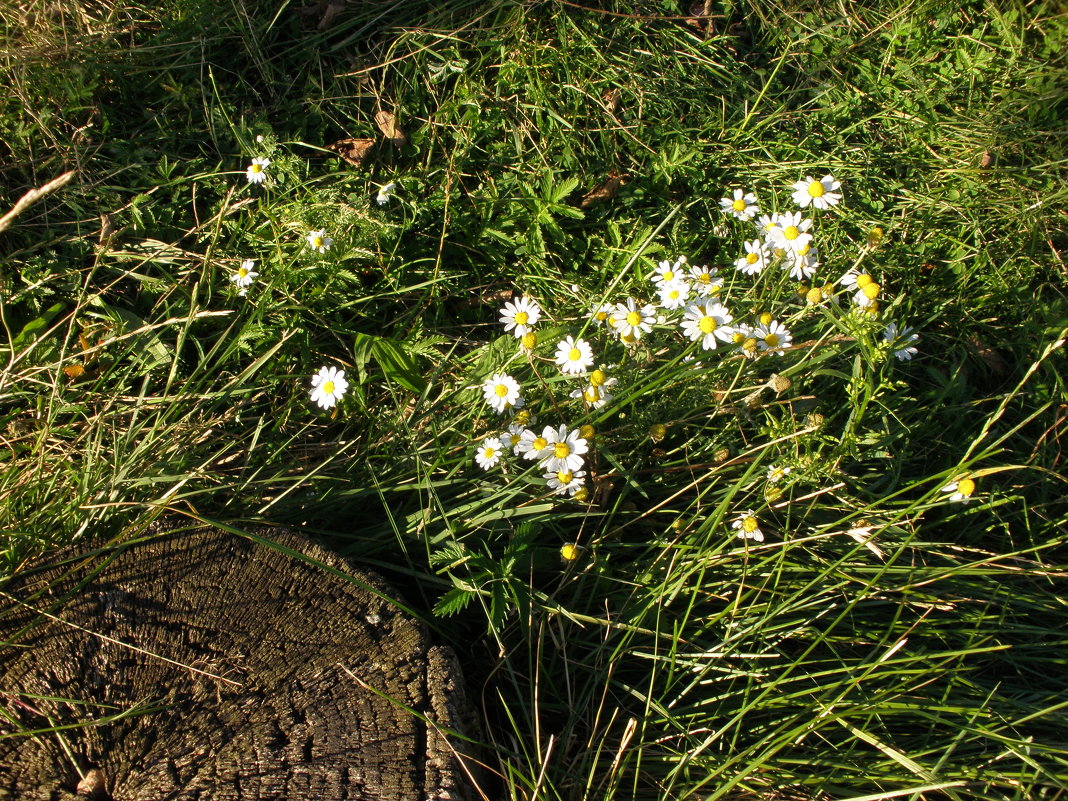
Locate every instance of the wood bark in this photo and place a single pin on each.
(196, 664)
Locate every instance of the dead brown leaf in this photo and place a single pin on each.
(387, 124)
(606, 191)
(354, 151)
(612, 100)
(986, 160)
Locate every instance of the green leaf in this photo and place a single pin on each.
(455, 600)
(34, 328)
(392, 357)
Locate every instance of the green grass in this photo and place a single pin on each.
(882, 643)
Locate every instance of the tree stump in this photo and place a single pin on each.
(195, 664)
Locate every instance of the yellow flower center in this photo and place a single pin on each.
(598, 377)
(674, 294)
(488, 453)
(657, 431)
(791, 232)
(871, 290)
(523, 417)
(564, 476)
(569, 552)
(574, 354)
(501, 390)
(667, 275)
(707, 324)
(328, 387)
(750, 344)
(586, 431)
(966, 487)
(633, 318)
(815, 189)
(714, 289)
(592, 394)
(317, 241)
(561, 450)
(863, 280)
(529, 340)
(705, 278)
(738, 205)
(771, 340)
(539, 443)
(803, 251)
(765, 318)
(600, 316)
(749, 525)
(521, 318)
(242, 272)
(752, 258)
(814, 295)
(737, 338)
(581, 494)
(629, 339)
(256, 168)
(771, 226)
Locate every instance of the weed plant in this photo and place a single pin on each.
(894, 632)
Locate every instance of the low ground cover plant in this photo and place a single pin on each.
(696, 370)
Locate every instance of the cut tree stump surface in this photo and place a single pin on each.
(197, 664)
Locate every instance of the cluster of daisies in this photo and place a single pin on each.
(329, 385)
(691, 300)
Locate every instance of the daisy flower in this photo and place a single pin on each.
(600, 313)
(519, 314)
(489, 453)
(574, 356)
(901, 341)
(668, 271)
(674, 294)
(867, 289)
(328, 385)
(755, 258)
(745, 338)
(385, 193)
(962, 489)
(748, 527)
(743, 206)
(791, 232)
(706, 280)
(777, 474)
(257, 170)
(597, 396)
(630, 322)
(566, 482)
(501, 391)
(819, 194)
(319, 241)
(512, 437)
(534, 446)
(706, 322)
(245, 275)
(767, 223)
(565, 449)
(802, 263)
(773, 337)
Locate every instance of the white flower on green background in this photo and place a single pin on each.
(574, 356)
(960, 490)
(821, 194)
(566, 482)
(777, 474)
(766, 224)
(319, 241)
(867, 291)
(747, 527)
(706, 322)
(597, 396)
(245, 275)
(489, 452)
(385, 193)
(257, 170)
(533, 445)
(565, 449)
(328, 386)
(520, 314)
(706, 280)
(901, 341)
(512, 437)
(802, 264)
(501, 392)
(674, 294)
(601, 313)
(791, 232)
(630, 321)
(774, 337)
(755, 259)
(743, 205)
(668, 271)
